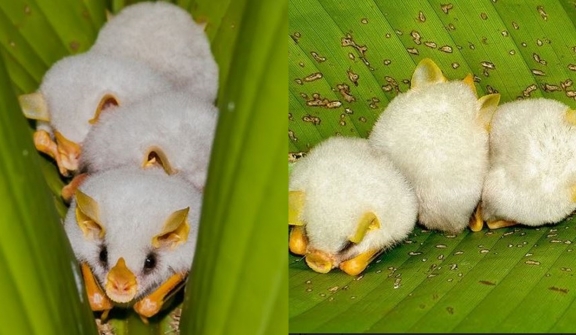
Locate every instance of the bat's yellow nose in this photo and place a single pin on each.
(319, 261)
(121, 284)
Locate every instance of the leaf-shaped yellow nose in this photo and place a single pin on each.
(121, 284)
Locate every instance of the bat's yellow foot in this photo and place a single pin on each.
(64, 151)
(476, 221)
(68, 154)
(500, 224)
(298, 241)
(69, 190)
(320, 261)
(96, 297)
(44, 143)
(151, 304)
(356, 265)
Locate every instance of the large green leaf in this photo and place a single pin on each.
(239, 268)
(245, 200)
(513, 279)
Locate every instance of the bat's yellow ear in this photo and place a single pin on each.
(175, 230)
(369, 221)
(34, 106)
(573, 193)
(157, 157)
(87, 216)
(295, 204)
(488, 105)
(571, 116)
(469, 81)
(426, 73)
(106, 101)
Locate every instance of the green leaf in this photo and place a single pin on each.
(42, 291)
(516, 279)
(239, 277)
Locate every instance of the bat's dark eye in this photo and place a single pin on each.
(150, 262)
(103, 256)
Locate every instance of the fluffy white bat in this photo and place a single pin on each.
(134, 232)
(532, 176)
(73, 94)
(166, 37)
(437, 135)
(174, 130)
(347, 203)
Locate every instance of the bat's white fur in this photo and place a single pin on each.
(134, 205)
(178, 123)
(431, 132)
(164, 36)
(74, 85)
(343, 178)
(532, 163)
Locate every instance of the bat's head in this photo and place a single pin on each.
(428, 78)
(172, 130)
(327, 244)
(77, 89)
(134, 228)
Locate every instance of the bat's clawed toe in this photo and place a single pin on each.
(476, 221)
(96, 297)
(298, 241)
(151, 304)
(69, 190)
(319, 261)
(500, 224)
(356, 265)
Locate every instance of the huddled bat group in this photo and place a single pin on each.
(130, 125)
(439, 156)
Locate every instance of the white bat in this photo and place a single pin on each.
(532, 176)
(437, 135)
(173, 130)
(134, 232)
(164, 36)
(75, 92)
(347, 204)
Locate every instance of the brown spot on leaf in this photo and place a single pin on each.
(318, 101)
(296, 36)
(558, 289)
(312, 119)
(413, 51)
(486, 282)
(345, 92)
(317, 57)
(542, 12)
(551, 88)
(353, 77)
(446, 7)
(446, 49)
(314, 76)
(528, 90)
(421, 17)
